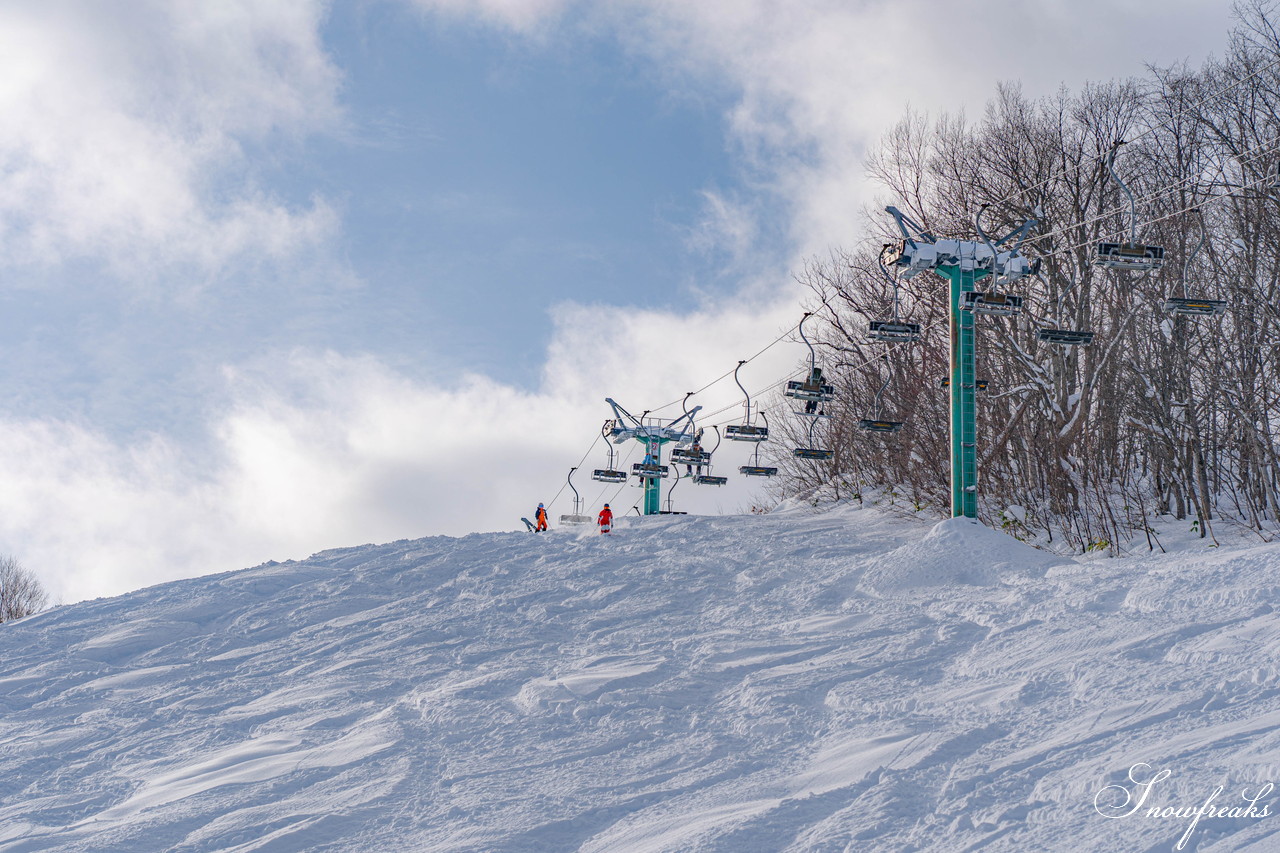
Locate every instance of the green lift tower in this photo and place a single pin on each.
(652, 433)
(963, 263)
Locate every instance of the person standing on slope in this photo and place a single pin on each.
(540, 517)
(605, 519)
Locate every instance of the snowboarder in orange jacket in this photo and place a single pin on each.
(605, 519)
(540, 517)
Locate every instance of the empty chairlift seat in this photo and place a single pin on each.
(608, 475)
(875, 425)
(812, 453)
(1065, 337)
(980, 384)
(894, 333)
(746, 432)
(1194, 306)
(709, 480)
(997, 304)
(757, 471)
(1126, 256)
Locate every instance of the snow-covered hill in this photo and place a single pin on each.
(838, 681)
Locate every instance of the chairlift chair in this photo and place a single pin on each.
(892, 331)
(756, 469)
(1193, 305)
(813, 388)
(980, 384)
(576, 517)
(686, 456)
(812, 451)
(610, 474)
(996, 304)
(708, 479)
(1131, 255)
(650, 471)
(1065, 337)
(875, 423)
(747, 430)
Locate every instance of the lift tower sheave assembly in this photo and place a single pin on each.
(652, 433)
(963, 263)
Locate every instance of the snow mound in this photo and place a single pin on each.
(958, 550)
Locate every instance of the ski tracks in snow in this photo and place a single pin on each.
(799, 682)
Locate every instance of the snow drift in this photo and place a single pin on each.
(797, 682)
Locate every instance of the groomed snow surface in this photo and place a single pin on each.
(800, 681)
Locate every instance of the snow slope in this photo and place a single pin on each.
(838, 681)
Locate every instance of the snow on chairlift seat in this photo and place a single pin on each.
(608, 475)
(980, 384)
(757, 471)
(575, 519)
(650, 471)
(812, 453)
(1065, 337)
(1197, 307)
(894, 333)
(998, 304)
(871, 425)
(685, 456)
(1123, 256)
(744, 432)
(709, 480)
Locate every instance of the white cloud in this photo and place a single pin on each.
(520, 15)
(322, 450)
(104, 154)
(125, 125)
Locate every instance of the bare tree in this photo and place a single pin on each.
(21, 592)
(1163, 413)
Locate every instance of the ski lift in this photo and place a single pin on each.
(745, 431)
(812, 451)
(980, 384)
(1195, 306)
(996, 304)
(610, 474)
(991, 302)
(1131, 255)
(812, 389)
(649, 470)
(874, 423)
(756, 469)
(1065, 337)
(693, 454)
(892, 331)
(708, 479)
(576, 517)
(670, 491)
(686, 456)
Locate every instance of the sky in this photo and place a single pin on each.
(280, 275)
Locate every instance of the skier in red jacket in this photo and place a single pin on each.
(605, 519)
